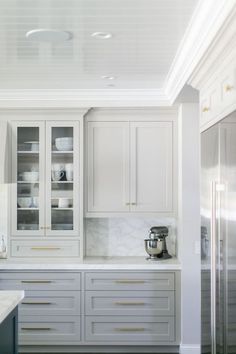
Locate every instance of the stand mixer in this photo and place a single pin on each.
(155, 245)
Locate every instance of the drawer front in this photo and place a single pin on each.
(130, 329)
(130, 281)
(228, 87)
(49, 330)
(40, 281)
(50, 303)
(124, 303)
(210, 103)
(48, 249)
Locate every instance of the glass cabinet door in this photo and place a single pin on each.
(27, 168)
(62, 170)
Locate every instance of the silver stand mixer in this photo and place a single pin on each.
(155, 245)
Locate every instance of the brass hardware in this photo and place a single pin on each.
(133, 203)
(36, 281)
(42, 227)
(36, 329)
(41, 248)
(36, 303)
(127, 329)
(126, 281)
(205, 109)
(127, 303)
(228, 88)
(48, 227)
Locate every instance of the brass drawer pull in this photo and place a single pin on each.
(130, 329)
(205, 109)
(127, 303)
(36, 329)
(124, 281)
(228, 88)
(36, 303)
(133, 203)
(45, 248)
(36, 281)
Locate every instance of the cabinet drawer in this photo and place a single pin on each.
(33, 249)
(210, 103)
(49, 330)
(40, 281)
(130, 303)
(130, 329)
(130, 281)
(50, 303)
(228, 87)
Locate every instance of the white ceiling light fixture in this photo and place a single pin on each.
(101, 35)
(108, 77)
(48, 35)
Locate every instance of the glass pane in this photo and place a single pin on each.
(62, 181)
(28, 178)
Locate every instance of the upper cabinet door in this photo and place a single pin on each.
(62, 178)
(28, 156)
(107, 167)
(151, 179)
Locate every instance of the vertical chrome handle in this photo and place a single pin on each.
(213, 267)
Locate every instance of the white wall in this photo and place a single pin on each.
(189, 226)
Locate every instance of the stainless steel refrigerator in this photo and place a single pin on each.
(218, 237)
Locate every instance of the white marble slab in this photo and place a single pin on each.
(8, 301)
(95, 263)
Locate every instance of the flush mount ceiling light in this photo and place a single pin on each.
(48, 35)
(107, 77)
(101, 35)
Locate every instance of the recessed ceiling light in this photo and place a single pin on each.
(101, 35)
(48, 35)
(107, 77)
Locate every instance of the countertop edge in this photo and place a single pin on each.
(13, 300)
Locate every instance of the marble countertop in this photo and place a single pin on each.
(93, 263)
(8, 301)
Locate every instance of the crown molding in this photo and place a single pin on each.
(207, 21)
(82, 98)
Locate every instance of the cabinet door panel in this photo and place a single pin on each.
(108, 167)
(151, 166)
(28, 158)
(62, 178)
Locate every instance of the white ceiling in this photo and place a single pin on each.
(145, 37)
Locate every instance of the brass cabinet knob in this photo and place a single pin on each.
(205, 109)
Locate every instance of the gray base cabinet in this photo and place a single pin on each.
(9, 334)
(100, 308)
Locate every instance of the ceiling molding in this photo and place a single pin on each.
(207, 20)
(82, 98)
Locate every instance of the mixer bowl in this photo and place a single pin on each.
(153, 247)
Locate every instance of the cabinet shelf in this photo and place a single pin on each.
(28, 182)
(27, 208)
(62, 152)
(62, 182)
(56, 208)
(28, 152)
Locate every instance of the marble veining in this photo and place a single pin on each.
(8, 301)
(123, 236)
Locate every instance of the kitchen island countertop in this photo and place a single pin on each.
(8, 301)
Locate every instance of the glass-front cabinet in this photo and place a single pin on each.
(45, 170)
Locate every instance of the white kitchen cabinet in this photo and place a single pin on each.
(151, 167)
(45, 196)
(108, 166)
(130, 167)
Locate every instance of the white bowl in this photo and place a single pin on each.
(24, 202)
(32, 176)
(64, 144)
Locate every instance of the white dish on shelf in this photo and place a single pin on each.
(24, 202)
(31, 176)
(64, 144)
(34, 145)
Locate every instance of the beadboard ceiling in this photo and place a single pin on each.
(145, 38)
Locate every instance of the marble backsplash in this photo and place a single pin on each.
(124, 236)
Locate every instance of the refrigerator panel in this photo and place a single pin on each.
(209, 178)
